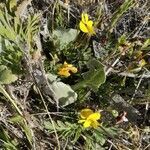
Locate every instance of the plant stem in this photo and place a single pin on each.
(3, 91)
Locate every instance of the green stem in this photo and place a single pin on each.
(3, 91)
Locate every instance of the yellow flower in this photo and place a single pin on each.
(89, 118)
(66, 69)
(86, 25)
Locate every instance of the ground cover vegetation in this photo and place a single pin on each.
(74, 75)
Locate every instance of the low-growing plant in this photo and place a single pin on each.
(68, 81)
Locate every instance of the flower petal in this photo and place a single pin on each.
(84, 18)
(73, 69)
(90, 27)
(81, 121)
(90, 23)
(87, 124)
(64, 72)
(94, 124)
(94, 116)
(83, 27)
(65, 64)
(85, 113)
(65, 68)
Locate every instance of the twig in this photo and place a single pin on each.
(110, 146)
(109, 141)
(65, 144)
(135, 92)
(110, 69)
(56, 135)
(146, 110)
(130, 75)
(147, 147)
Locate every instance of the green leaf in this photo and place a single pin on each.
(3, 135)
(5, 139)
(16, 119)
(77, 135)
(59, 126)
(6, 76)
(100, 138)
(64, 93)
(146, 45)
(7, 32)
(107, 131)
(6, 29)
(32, 27)
(122, 39)
(64, 37)
(48, 125)
(94, 77)
(64, 129)
(112, 131)
(26, 128)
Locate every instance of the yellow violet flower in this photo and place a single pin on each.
(89, 118)
(86, 25)
(66, 69)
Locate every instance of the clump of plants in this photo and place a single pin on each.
(69, 79)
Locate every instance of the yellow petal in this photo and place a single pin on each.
(85, 113)
(83, 27)
(70, 66)
(94, 124)
(94, 116)
(67, 65)
(81, 121)
(90, 23)
(87, 124)
(73, 69)
(64, 72)
(84, 18)
(90, 27)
